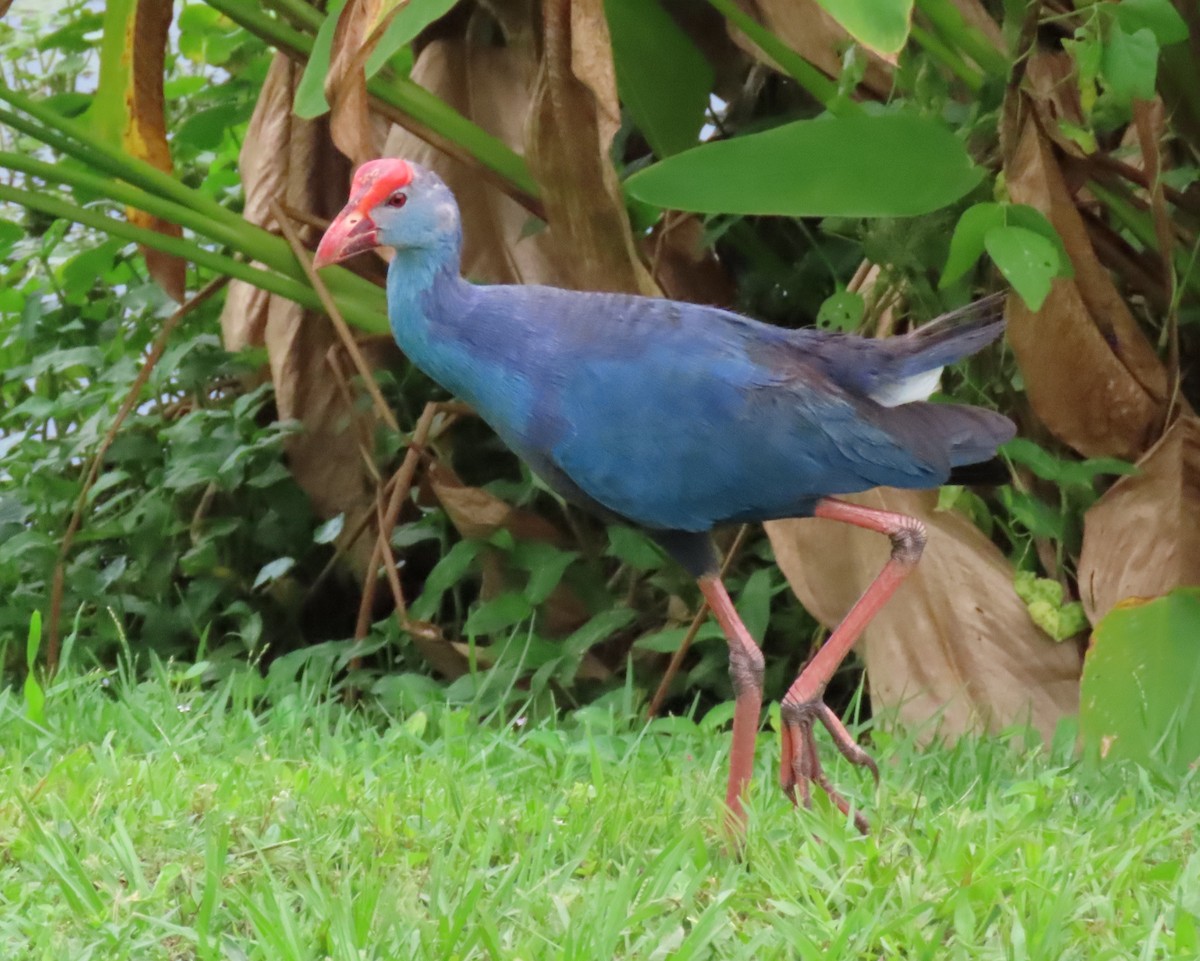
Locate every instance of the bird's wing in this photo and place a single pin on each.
(681, 417)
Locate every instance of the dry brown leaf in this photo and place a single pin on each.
(145, 135)
(290, 159)
(582, 196)
(809, 30)
(491, 86)
(356, 130)
(1092, 377)
(954, 651)
(976, 15)
(1053, 86)
(684, 265)
(1142, 538)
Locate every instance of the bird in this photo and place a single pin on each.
(678, 418)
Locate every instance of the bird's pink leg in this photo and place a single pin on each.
(800, 767)
(746, 671)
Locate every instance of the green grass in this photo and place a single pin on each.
(260, 819)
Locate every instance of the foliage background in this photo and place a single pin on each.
(235, 514)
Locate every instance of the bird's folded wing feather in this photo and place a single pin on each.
(679, 416)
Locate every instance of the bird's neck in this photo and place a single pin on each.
(427, 299)
(419, 280)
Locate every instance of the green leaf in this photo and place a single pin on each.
(1044, 599)
(1028, 261)
(843, 310)
(668, 641)
(754, 603)
(895, 165)
(34, 640)
(967, 241)
(273, 571)
(661, 77)
(329, 531)
(448, 571)
(1158, 16)
(403, 29)
(1140, 692)
(1039, 518)
(500, 612)
(35, 700)
(35, 697)
(881, 25)
(205, 129)
(310, 99)
(1022, 215)
(1129, 64)
(634, 548)
(546, 565)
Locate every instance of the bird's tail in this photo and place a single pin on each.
(948, 338)
(954, 434)
(899, 370)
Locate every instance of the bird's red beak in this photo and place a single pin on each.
(352, 232)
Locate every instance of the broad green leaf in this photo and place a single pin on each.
(1028, 261)
(414, 17)
(546, 565)
(1140, 692)
(881, 25)
(754, 603)
(634, 548)
(894, 165)
(500, 612)
(661, 76)
(967, 241)
(310, 99)
(1129, 64)
(1158, 16)
(1022, 215)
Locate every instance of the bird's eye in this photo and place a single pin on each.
(398, 199)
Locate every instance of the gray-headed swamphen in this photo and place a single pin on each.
(678, 418)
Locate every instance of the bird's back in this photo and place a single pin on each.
(681, 417)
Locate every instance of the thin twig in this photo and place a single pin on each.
(693, 629)
(127, 405)
(362, 429)
(1152, 156)
(400, 484)
(335, 315)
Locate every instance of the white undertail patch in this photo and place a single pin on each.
(918, 387)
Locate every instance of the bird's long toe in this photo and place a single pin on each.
(800, 766)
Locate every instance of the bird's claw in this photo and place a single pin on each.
(801, 766)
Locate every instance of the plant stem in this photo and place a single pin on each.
(451, 128)
(948, 57)
(800, 70)
(357, 313)
(948, 22)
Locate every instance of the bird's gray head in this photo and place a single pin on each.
(393, 203)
